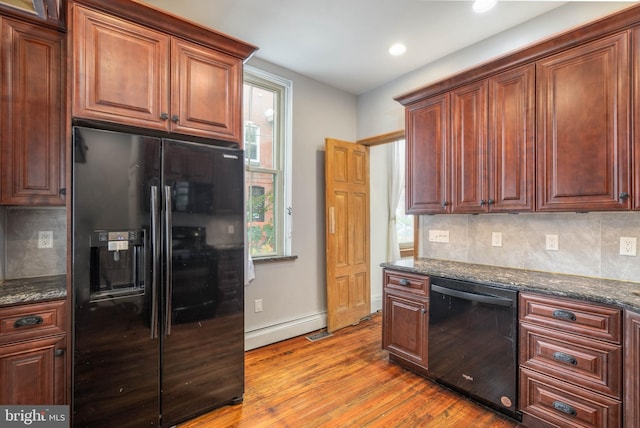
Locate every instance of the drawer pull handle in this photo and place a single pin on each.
(565, 358)
(27, 321)
(564, 408)
(405, 282)
(564, 315)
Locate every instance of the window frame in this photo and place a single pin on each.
(282, 158)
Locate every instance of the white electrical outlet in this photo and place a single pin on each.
(439, 236)
(45, 239)
(552, 242)
(628, 245)
(257, 305)
(496, 239)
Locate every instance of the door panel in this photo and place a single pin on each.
(203, 338)
(584, 153)
(112, 335)
(347, 233)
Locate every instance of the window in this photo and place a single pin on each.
(266, 115)
(404, 222)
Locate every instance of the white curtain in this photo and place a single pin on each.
(396, 184)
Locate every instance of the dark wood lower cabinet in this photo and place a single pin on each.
(632, 370)
(405, 319)
(570, 363)
(34, 372)
(33, 354)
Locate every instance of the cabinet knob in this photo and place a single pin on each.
(482, 202)
(164, 116)
(175, 118)
(624, 195)
(444, 204)
(59, 352)
(491, 201)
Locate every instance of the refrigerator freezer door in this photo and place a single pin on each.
(203, 338)
(116, 360)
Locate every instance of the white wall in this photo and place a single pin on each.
(293, 292)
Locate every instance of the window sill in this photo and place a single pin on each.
(274, 259)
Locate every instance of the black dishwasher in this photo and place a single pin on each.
(473, 341)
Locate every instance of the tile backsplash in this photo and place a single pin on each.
(21, 256)
(588, 243)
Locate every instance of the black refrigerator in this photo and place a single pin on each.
(158, 277)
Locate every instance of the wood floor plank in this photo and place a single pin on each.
(344, 380)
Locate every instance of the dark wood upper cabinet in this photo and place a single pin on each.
(511, 141)
(469, 152)
(121, 71)
(584, 147)
(131, 73)
(428, 156)
(636, 117)
(33, 153)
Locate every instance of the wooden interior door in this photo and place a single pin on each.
(347, 233)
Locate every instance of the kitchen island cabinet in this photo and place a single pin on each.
(33, 354)
(130, 73)
(32, 145)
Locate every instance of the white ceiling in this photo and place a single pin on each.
(344, 43)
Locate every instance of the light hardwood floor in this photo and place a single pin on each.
(344, 380)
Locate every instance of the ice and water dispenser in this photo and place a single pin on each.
(117, 263)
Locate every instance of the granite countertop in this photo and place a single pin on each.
(625, 294)
(32, 290)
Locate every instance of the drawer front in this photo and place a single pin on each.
(407, 282)
(589, 363)
(572, 316)
(29, 321)
(564, 405)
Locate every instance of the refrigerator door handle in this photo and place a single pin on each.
(154, 261)
(168, 259)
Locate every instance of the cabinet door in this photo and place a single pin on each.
(205, 92)
(428, 156)
(511, 140)
(32, 115)
(469, 152)
(583, 136)
(34, 372)
(121, 71)
(631, 404)
(405, 323)
(636, 117)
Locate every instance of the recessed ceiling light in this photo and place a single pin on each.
(480, 6)
(397, 49)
